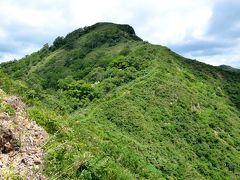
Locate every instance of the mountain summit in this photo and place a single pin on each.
(117, 107)
(96, 35)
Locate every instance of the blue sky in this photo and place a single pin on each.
(206, 30)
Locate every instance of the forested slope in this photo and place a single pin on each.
(118, 107)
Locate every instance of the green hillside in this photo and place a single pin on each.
(229, 68)
(117, 107)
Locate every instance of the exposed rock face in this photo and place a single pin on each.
(8, 142)
(20, 143)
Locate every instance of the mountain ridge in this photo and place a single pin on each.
(229, 68)
(117, 107)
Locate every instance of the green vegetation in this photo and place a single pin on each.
(229, 68)
(6, 108)
(117, 107)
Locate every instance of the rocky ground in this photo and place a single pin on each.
(20, 143)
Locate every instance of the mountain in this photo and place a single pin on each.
(118, 107)
(229, 68)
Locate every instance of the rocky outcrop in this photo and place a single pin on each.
(21, 154)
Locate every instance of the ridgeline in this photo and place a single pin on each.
(117, 107)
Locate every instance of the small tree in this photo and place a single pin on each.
(59, 42)
(77, 89)
(80, 90)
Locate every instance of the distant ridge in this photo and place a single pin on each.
(229, 68)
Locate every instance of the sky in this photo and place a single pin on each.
(206, 30)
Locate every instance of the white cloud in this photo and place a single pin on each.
(231, 57)
(3, 34)
(171, 21)
(164, 22)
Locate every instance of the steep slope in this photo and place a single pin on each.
(120, 108)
